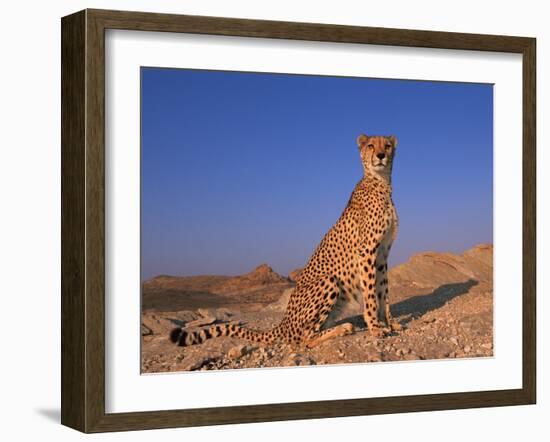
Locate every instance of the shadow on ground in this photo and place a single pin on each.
(419, 305)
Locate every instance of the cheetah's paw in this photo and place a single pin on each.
(376, 331)
(395, 326)
(347, 329)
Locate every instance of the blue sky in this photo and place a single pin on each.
(238, 169)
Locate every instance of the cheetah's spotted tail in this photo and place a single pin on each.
(184, 338)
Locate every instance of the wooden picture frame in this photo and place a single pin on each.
(83, 220)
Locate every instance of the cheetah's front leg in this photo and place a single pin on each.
(368, 284)
(382, 289)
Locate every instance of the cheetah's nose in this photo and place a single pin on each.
(381, 155)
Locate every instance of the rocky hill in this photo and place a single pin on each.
(261, 276)
(443, 301)
(262, 285)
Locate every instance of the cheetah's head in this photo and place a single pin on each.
(377, 153)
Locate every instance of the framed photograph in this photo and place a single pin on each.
(268, 220)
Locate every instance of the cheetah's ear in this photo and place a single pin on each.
(362, 140)
(393, 140)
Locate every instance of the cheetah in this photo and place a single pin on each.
(349, 263)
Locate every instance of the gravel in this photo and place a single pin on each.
(449, 319)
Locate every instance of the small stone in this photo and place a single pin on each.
(205, 313)
(488, 346)
(298, 359)
(453, 340)
(467, 349)
(237, 352)
(198, 362)
(145, 331)
(201, 322)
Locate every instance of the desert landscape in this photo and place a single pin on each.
(443, 301)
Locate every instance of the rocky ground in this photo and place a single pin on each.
(443, 301)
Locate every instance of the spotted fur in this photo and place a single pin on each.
(349, 263)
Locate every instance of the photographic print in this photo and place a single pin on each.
(300, 220)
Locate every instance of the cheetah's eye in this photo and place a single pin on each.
(387, 146)
(370, 146)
